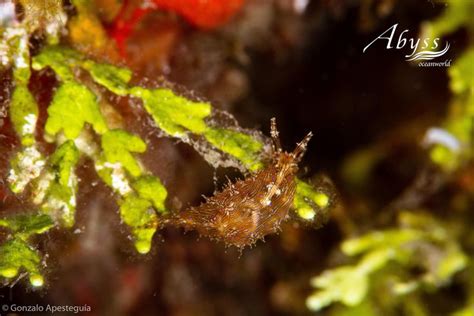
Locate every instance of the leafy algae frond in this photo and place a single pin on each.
(78, 128)
(391, 251)
(16, 252)
(459, 123)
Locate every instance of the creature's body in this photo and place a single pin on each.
(253, 207)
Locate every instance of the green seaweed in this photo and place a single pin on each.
(117, 147)
(72, 106)
(380, 250)
(64, 160)
(239, 145)
(150, 188)
(137, 213)
(174, 114)
(60, 196)
(24, 225)
(113, 78)
(16, 255)
(308, 201)
(457, 14)
(60, 59)
(461, 73)
(24, 114)
(460, 121)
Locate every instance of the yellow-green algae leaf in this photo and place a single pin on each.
(72, 106)
(25, 225)
(111, 77)
(377, 259)
(117, 146)
(461, 73)
(365, 308)
(143, 238)
(465, 311)
(150, 188)
(444, 156)
(348, 284)
(60, 203)
(308, 202)
(456, 14)
(239, 145)
(21, 75)
(16, 255)
(24, 114)
(453, 261)
(138, 213)
(60, 197)
(344, 284)
(381, 248)
(172, 113)
(64, 159)
(460, 124)
(62, 60)
(388, 238)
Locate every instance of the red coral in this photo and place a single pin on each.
(123, 26)
(205, 14)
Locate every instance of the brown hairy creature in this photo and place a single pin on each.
(253, 207)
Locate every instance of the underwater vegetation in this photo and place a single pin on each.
(117, 116)
(77, 127)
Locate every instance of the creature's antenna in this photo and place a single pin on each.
(275, 135)
(301, 147)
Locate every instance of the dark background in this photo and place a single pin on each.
(309, 72)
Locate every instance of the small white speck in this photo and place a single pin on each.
(119, 180)
(30, 124)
